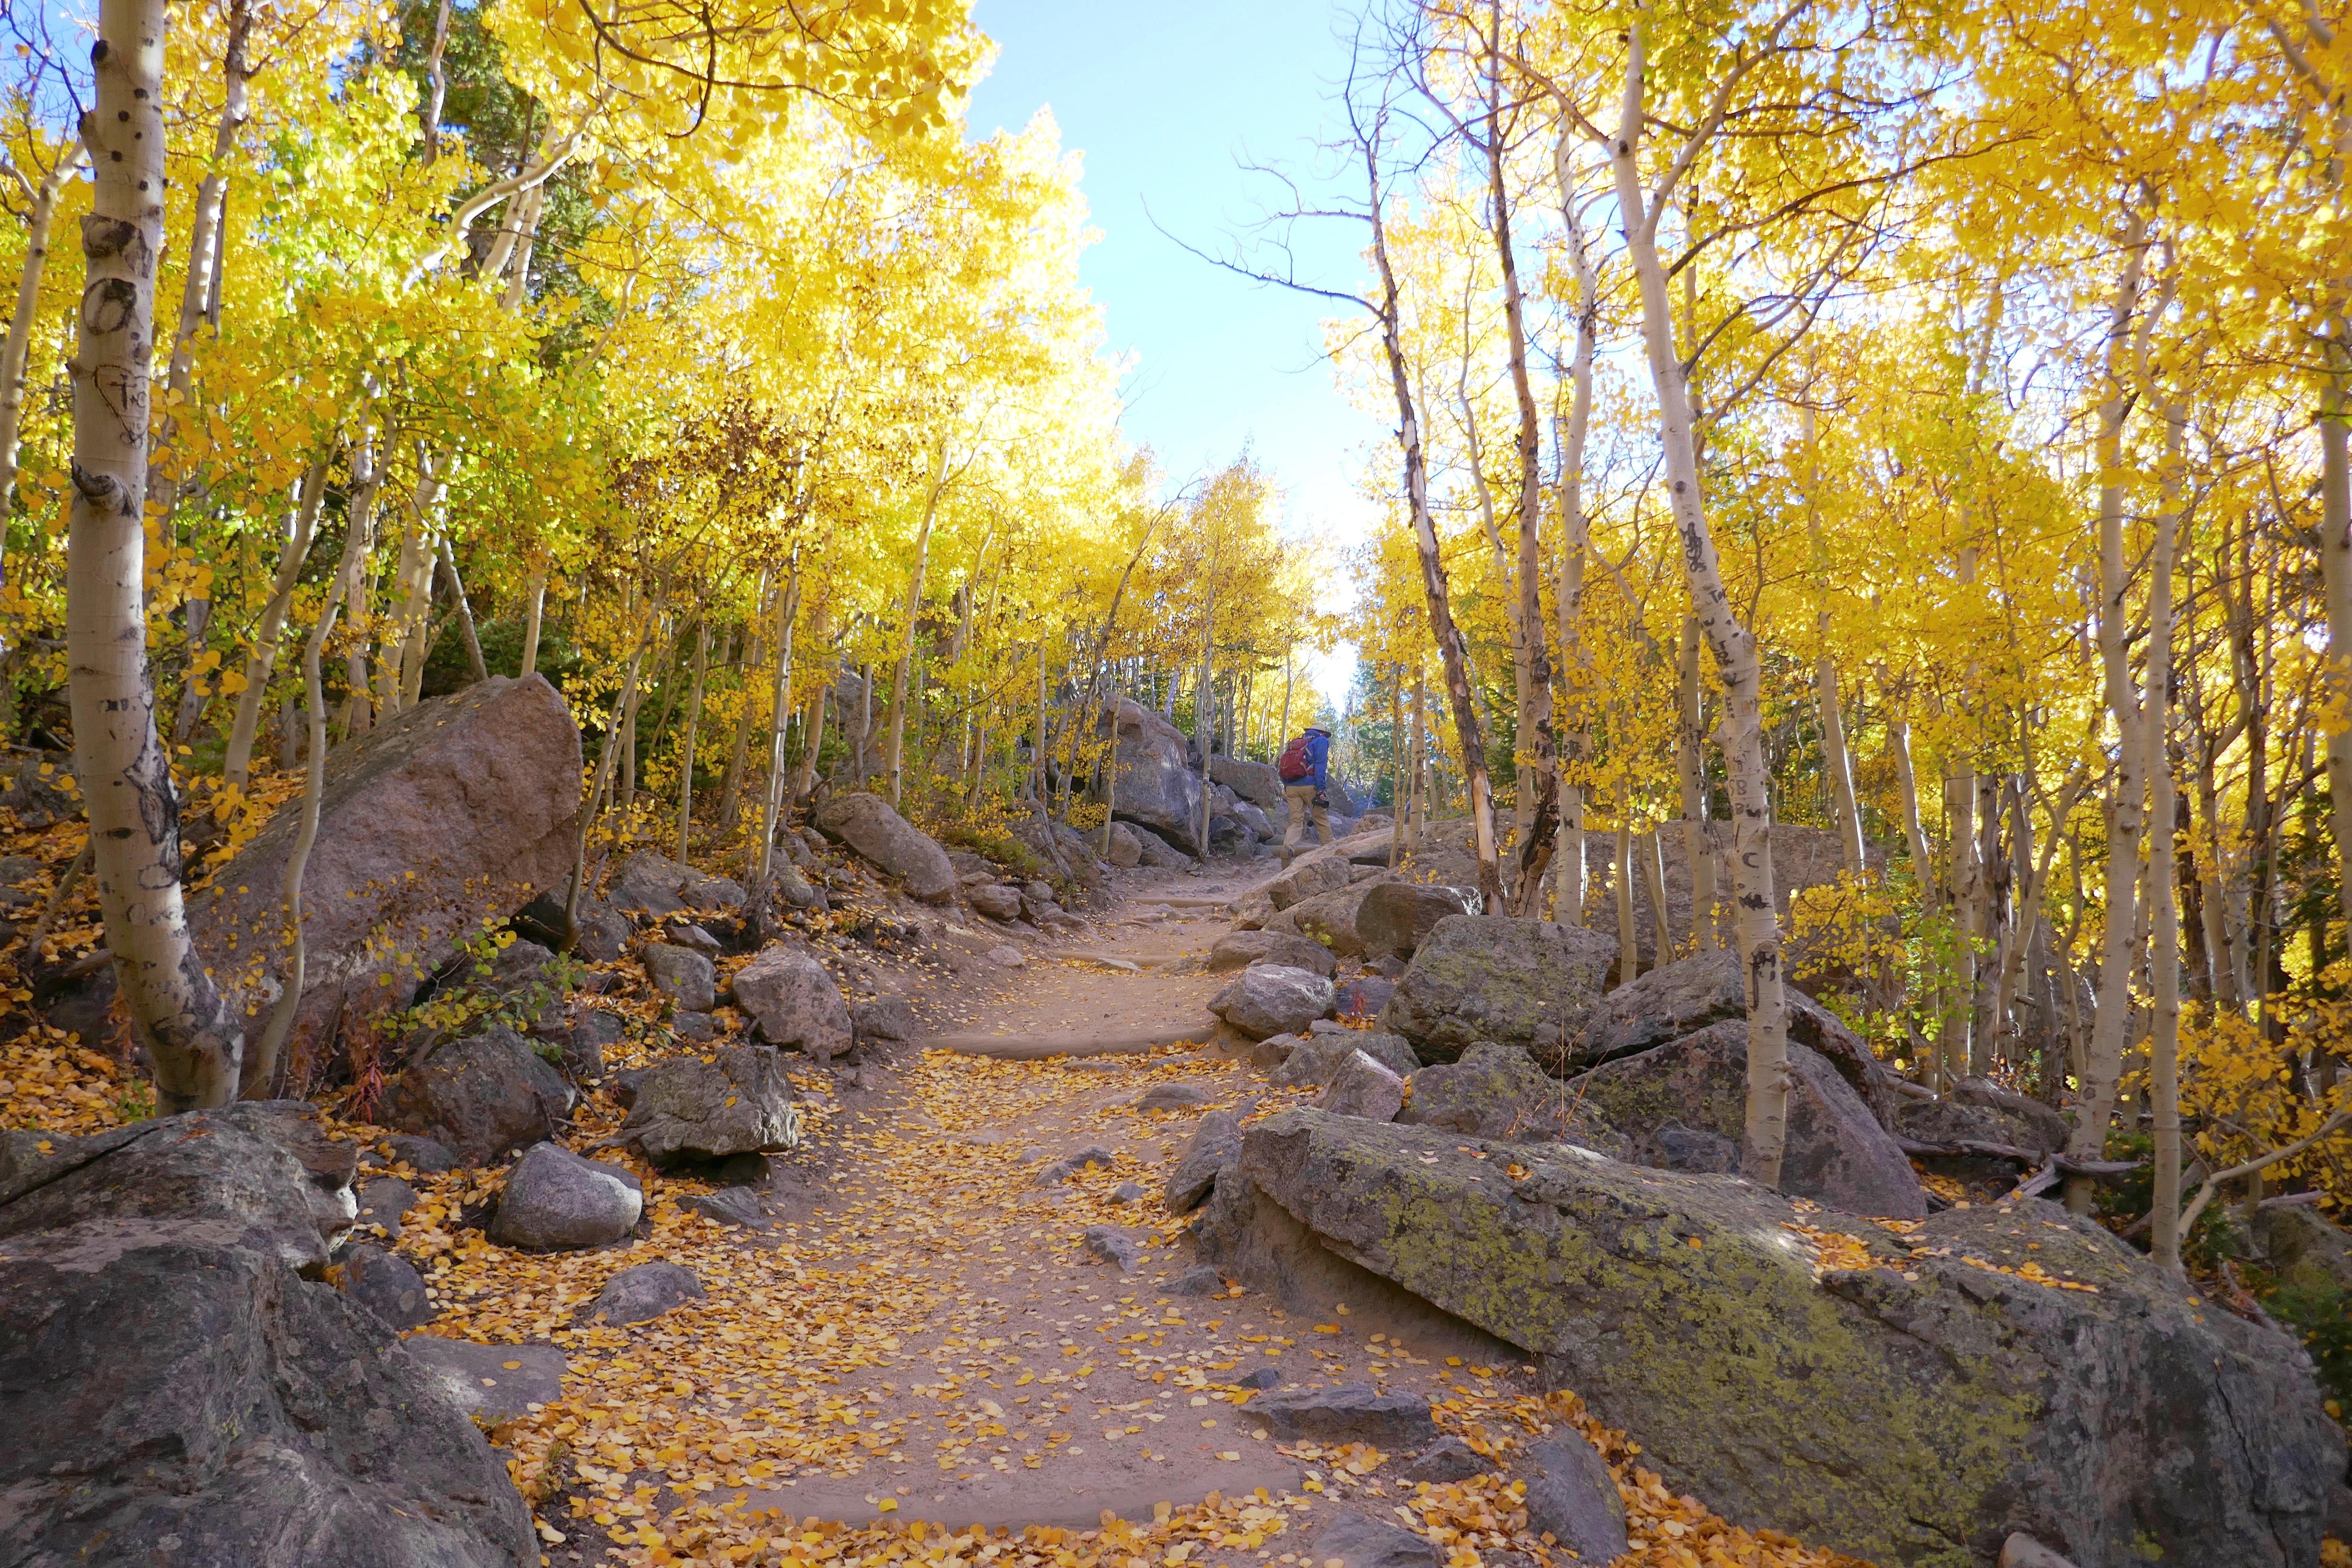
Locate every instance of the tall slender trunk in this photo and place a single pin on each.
(359, 518)
(15, 352)
(1736, 655)
(624, 701)
(1535, 737)
(535, 604)
(192, 1037)
(788, 608)
(2336, 567)
(1837, 759)
(1629, 934)
(475, 665)
(1690, 775)
(686, 746)
(2110, 1022)
(1575, 546)
(1435, 588)
(1967, 892)
(236, 766)
(436, 91)
(1653, 850)
(2164, 909)
(1420, 811)
(895, 720)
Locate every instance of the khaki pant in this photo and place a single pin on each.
(1299, 800)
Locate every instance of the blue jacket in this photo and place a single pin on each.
(1318, 757)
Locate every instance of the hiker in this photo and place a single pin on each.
(1302, 768)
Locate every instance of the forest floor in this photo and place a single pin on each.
(918, 1358)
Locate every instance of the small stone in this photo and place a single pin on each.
(885, 1018)
(696, 938)
(1007, 957)
(1572, 1495)
(1214, 1145)
(426, 1156)
(1200, 1279)
(1126, 1193)
(737, 1207)
(646, 1291)
(995, 901)
(1112, 1244)
(1070, 1165)
(683, 975)
(388, 1285)
(1263, 1377)
(1447, 1460)
(1171, 1097)
(384, 1201)
(1353, 1540)
(491, 1383)
(1362, 1086)
(740, 1102)
(700, 1029)
(1273, 1051)
(1273, 999)
(1364, 998)
(1349, 1413)
(555, 1199)
(796, 1002)
(593, 1031)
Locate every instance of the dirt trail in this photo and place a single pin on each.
(924, 1335)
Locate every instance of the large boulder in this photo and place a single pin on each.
(1836, 1152)
(177, 1385)
(870, 825)
(1153, 781)
(1330, 918)
(1497, 1092)
(738, 1102)
(1273, 999)
(1490, 977)
(483, 1095)
(1239, 949)
(1907, 1399)
(1256, 783)
(1395, 917)
(458, 806)
(796, 1002)
(1691, 994)
(555, 1199)
(653, 884)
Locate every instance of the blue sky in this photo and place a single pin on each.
(1164, 100)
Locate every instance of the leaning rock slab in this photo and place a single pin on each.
(1364, 1088)
(1273, 999)
(1214, 1145)
(1490, 977)
(796, 1002)
(483, 1095)
(739, 1102)
(1914, 1412)
(458, 807)
(1836, 1151)
(1155, 785)
(178, 1386)
(1497, 1092)
(1572, 1498)
(869, 825)
(1329, 919)
(1239, 949)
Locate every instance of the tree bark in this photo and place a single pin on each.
(788, 607)
(2110, 1022)
(236, 766)
(536, 603)
(686, 746)
(15, 352)
(1576, 543)
(190, 1035)
(1629, 935)
(895, 720)
(475, 664)
(1735, 655)
(1435, 588)
(1690, 775)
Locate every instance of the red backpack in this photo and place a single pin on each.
(1293, 766)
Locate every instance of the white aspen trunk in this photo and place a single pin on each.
(16, 349)
(192, 1039)
(788, 607)
(623, 701)
(2336, 568)
(535, 605)
(1835, 757)
(1690, 775)
(236, 764)
(812, 721)
(2110, 1022)
(1736, 655)
(896, 719)
(2164, 907)
(1538, 824)
(1435, 588)
(1629, 935)
(476, 665)
(1575, 547)
(1420, 811)
(436, 91)
(1654, 883)
(518, 273)
(686, 746)
(1966, 875)
(360, 520)
(263, 1074)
